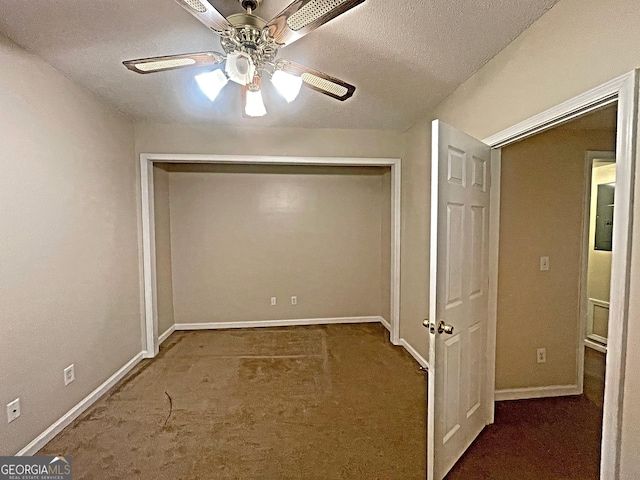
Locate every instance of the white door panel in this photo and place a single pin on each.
(458, 296)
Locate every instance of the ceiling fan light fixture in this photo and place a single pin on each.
(211, 83)
(251, 46)
(288, 85)
(254, 106)
(240, 68)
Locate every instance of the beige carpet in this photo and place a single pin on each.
(325, 402)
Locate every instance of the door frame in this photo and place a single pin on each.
(147, 221)
(583, 341)
(622, 90)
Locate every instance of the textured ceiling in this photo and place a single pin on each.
(404, 56)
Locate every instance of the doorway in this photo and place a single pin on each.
(545, 194)
(596, 280)
(540, 330)
(624, 91)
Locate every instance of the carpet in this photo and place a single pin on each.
(318, 402)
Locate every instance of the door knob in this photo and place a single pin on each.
(445, 328)
(426, 323)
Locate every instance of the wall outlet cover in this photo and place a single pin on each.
(13, 410)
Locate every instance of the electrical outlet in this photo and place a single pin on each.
(294, 300)
(544, 264)
(274, 301)
(13, 410)
(542, 355)
(69, 374)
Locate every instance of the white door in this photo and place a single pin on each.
(458, 397)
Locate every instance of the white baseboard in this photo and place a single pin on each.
(537, 392)
(274, 323)
(385, 323)
(414, 353)
(46, 436)
(166, 334)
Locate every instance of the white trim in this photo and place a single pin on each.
(599, 303)
(593, 155)
(148, 223)
(584, 268)
(45, 437)
(596, 338)
(385, 323)
(166, 334)
(396, 195)
(433, 275)
(582, 104)
(586, 312)
(274, 323)
(149, 260)
(620, 276)
(494, 253)
(624, 90)
(414, 353)
(267, 160)
(594, 345)
(537, 392)
(591, 304)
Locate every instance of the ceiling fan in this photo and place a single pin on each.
(251, 47)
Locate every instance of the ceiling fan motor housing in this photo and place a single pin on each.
(250, 36)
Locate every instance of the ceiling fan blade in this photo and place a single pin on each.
(304, 16)
(319, 81)
(203, 11)
(173, 62)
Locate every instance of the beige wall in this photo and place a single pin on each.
(416, 215)
(577, 45)
(412, 148)
(242, 234)
(180, 138)
(164, 280)
(599, 270)
(543, 188)
(69, 284)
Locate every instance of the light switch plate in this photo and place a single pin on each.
(69, 374)
(541, 355)
(544, 264)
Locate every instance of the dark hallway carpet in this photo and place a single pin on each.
(542, 439)
(325, 402)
